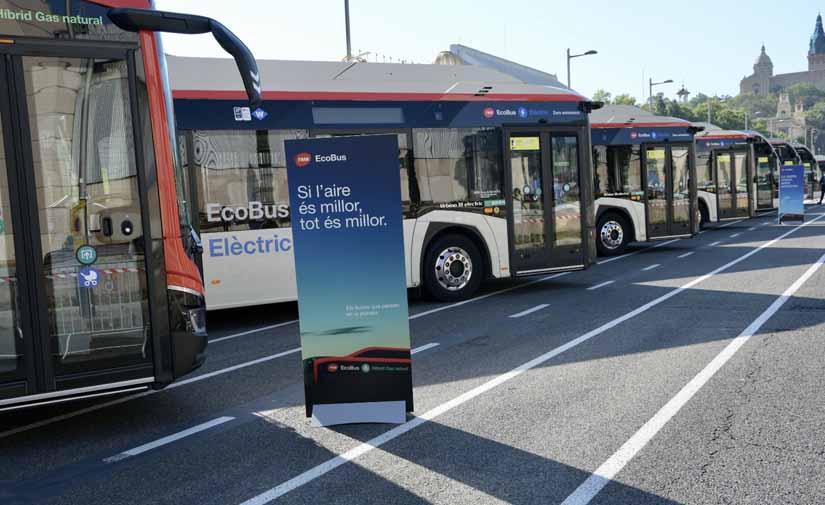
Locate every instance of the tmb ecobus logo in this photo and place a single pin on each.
(302, 159)
(490, 112)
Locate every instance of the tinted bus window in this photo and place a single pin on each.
(704, 172)
(454, 165)
(241, 178)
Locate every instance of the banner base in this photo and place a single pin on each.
(351, 413)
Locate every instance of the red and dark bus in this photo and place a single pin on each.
(98, 291)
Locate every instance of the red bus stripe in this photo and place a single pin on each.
(375, 96)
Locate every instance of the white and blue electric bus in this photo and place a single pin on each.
(495, 173)
(645, 177)
(737, 174)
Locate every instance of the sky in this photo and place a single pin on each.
(707, 45)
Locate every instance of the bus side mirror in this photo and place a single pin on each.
(134, 20)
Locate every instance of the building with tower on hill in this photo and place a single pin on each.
(763, 81)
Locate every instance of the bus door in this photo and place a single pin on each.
(74, 309)
(544, 199)
(732, 183)
(765, 164)
(667, 190)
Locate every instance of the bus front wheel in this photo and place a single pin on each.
(452, 268)
(612, 234)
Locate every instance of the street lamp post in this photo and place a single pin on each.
(346, 21)
(650, 97)
(571, 56)
(814, 131)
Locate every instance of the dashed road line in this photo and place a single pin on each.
(601, 285)
(735, 235)
(376, 442)
(530, 310)
(752, 228)
(615, 463)
(651, 267)
(168, 439)
(424, 347)
(715, 243)
(681, 256)
(488, 295)
(729, 223)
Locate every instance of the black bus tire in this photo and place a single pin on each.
(703, 215)
(612, 234)
(453, 268)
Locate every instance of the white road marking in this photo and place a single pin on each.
(601, 285)
(715, 243)
(752, 228)
(685, 255)
(651, 267)
(730, 223)
(530, 311)
(488, 295)
(735, 235)
(424, 347)
(363, 448)
(658, 244)
(125, 399)
(256, 330)
(608, 470)
(169, 439)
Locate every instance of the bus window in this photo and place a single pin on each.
(241, 178)
(704, 172)
(11, 354)
(627, 160)
(456, 165)
(87, 192)
(600, 173)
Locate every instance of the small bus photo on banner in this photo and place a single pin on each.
(791, 193)
(345, 200)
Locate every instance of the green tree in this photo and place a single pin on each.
(806, 93)
(624, 99)
(815, 116)
(602, 96)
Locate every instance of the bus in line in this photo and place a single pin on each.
(644, 177)
(737, 175)
(99, 293)
(495, 174)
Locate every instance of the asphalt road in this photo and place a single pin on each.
(685, 372)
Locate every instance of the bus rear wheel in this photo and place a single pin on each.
(612, 234)
(452, 268)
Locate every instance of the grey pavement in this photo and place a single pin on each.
(752, 434)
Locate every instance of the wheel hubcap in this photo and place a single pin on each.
(612, 234)
(453, 268)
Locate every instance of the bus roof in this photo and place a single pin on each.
(216, 78)
(730, 134)
(630, 116)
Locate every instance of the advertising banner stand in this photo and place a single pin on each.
(348, 239)
(791, 194)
